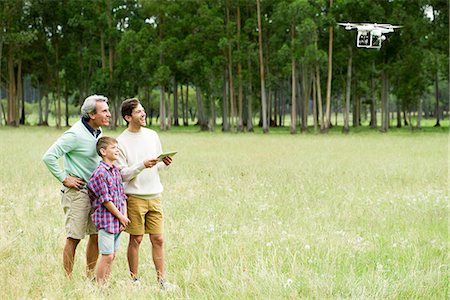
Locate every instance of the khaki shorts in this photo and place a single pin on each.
(146, 216)
(77, 210)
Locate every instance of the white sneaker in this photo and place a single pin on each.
(166, 286)
(136, 281)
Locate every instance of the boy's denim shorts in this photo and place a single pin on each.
(108, 243)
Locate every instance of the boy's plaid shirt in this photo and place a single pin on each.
(105, 184)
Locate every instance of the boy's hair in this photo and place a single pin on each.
(128, 106)
(104, 142)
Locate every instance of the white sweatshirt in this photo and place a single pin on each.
(135, 147)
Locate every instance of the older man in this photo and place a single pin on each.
(77, 146)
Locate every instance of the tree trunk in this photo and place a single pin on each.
(346, 127)
(102, 49)
(405, 118)
(183, 111)
(240, 126)
(315, 117)
(357, 109)
(373, 111)
(202, 120)
(1, 56)
(46, 108)
(261, 72)
(187, 104)
(293, 97)
(175, 102)
(437, 110)
(212, 118)
(319, 99)
(40, 117)
(399, 115)
(20, 97)
(225, 121)
(168, 112)
(162, 107)
(3, 113)
(305, 99)
(249, 98)
(230, 68)
(58, 92)
(66, 100)
(384, 102)
(330, 68)
(113, 96)
(12, 91)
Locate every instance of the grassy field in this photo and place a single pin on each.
(251, 216)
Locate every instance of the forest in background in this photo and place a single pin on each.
(282, 61)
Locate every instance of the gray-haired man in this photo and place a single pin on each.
(77, 146)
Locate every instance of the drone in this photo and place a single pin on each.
(370, 35)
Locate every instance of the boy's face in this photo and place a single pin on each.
(110, 153)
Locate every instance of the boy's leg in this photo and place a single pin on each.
(158, 254)
(106, 245)
(69, 255)
(133, 254)
(104, 268)
(91, 255)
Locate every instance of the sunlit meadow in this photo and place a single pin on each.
(251, 216)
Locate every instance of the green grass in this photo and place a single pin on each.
(252, 216)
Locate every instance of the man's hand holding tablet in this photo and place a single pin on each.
(166, 154)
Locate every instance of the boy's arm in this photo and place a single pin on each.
(123, 219)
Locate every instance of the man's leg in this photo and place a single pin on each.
(133, 254)
(158, 254)
(91, 255)
(69, 255)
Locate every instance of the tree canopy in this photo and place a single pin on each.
(162, 51)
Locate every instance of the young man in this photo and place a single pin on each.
(77, 147)
(109, 204)
(138, 164)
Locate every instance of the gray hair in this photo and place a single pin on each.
(90, 104)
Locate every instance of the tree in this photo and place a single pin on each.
(261, 72)
(15, 37)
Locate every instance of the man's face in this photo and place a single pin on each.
(102, 115)
(138, 116)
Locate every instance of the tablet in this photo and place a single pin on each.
(160, 157)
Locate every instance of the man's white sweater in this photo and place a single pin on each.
(135, 147)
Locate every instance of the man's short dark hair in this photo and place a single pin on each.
(104, 142)
(128, 106)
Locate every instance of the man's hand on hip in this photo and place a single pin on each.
(73, 182)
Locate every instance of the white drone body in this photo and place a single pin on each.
(370, 35)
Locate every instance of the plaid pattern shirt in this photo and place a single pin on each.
(104, 185)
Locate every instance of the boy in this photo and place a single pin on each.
(108, 201)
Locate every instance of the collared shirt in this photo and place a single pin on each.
(105, 185)
(93, 131)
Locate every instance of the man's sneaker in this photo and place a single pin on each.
(166, 286)
(136, 281)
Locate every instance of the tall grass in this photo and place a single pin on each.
(251, 216)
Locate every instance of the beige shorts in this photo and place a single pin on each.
(146, 216)
(77, 210)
